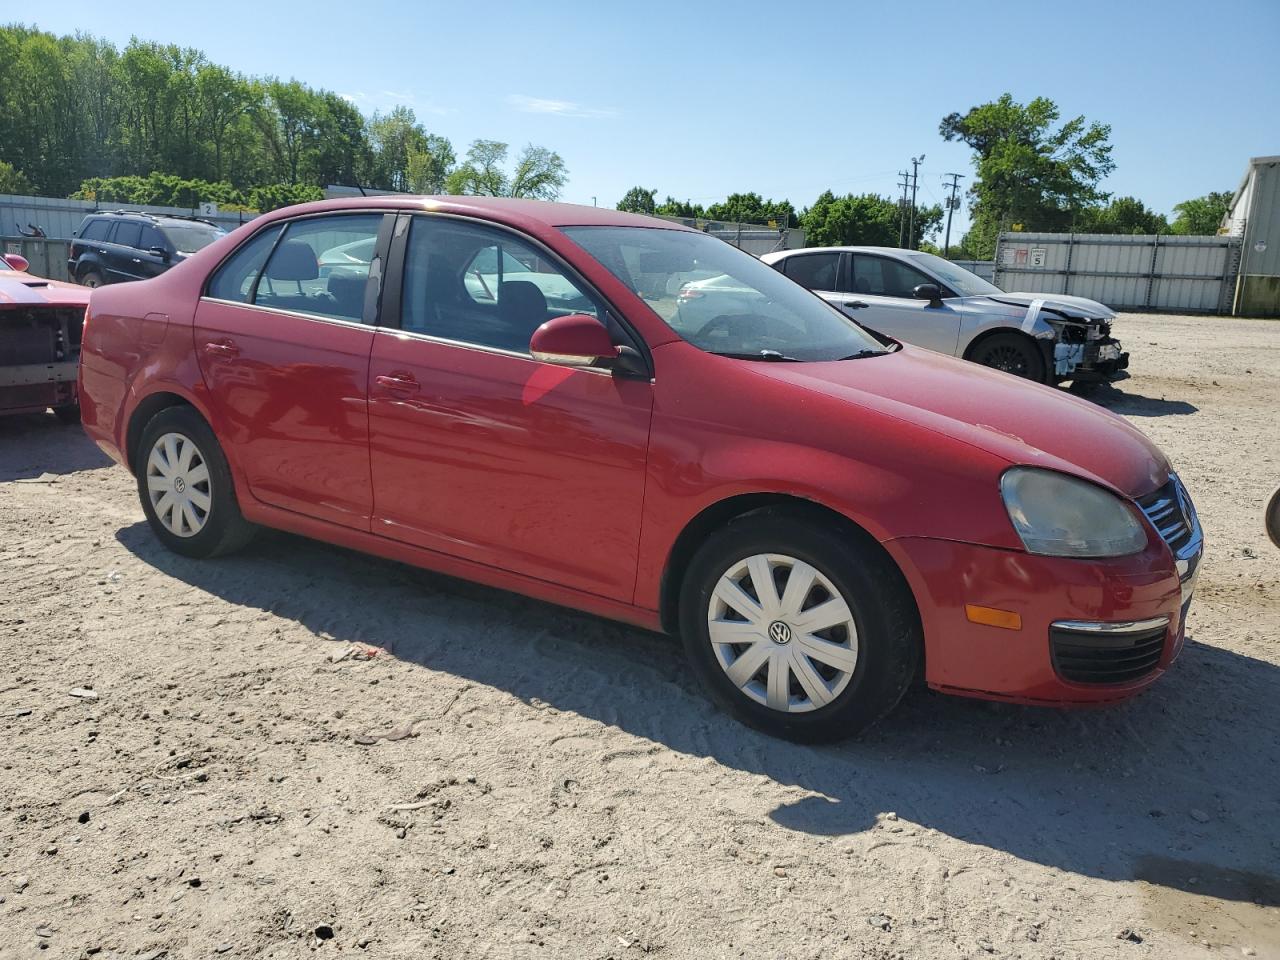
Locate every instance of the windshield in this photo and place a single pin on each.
(723, 300)
(190, 237)
(959, 279)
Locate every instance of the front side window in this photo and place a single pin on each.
(234, 280)
(190, 237)
(722, 300)
(478, 285)
(128, 233)
(151, 238)
(882, 277)
(964, 282)
(318, 268)
(817, 271)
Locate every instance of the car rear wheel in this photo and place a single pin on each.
(798, 629)
(1011, 352)
(91, 278)
(186, 488)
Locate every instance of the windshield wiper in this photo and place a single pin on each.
(864, 353)
(768, 355)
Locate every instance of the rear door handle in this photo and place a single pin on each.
(853, 304)
(397, 382)
(222, 348)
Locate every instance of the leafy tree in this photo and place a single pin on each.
(671, 207)
(864, 220)
(1029, 170)
(752, 208)
(79, 111)
(429, 164)
(638, 200)
(1122, 215)
(14, 181)
(539, 173)
(1201, 216)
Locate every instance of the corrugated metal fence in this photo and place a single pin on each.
(1173, 273)
(755, 238)
(59, 218)
(48, 258)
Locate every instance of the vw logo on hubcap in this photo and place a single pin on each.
(779, 632)
(179, 484)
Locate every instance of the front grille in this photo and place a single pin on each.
(1101, 658)
(1169, 511)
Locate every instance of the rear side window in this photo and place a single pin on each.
(128, 234)
(817, 271)
(95, 230)
(235, 278)
(321, 266)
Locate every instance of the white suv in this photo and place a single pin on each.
(931, 302)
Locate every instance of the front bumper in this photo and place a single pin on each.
(1027, 665)
(1092, 361)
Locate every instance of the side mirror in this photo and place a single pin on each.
(160, 252)
(930, 292)
(17, 261)
(573, 341)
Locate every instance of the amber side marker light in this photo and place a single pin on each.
(991, 617)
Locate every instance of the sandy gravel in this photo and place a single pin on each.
(303, 750)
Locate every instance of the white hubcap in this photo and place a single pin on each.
(178, 485)
(782, 633)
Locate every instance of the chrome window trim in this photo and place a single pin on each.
(400, 332)
(1111, 627)
(338, 321)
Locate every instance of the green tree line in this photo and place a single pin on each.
(79, 115)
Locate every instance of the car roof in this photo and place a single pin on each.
(893, 251)
(511, 211)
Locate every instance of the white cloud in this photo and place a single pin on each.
(560, 108)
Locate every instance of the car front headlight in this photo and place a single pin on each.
(1061, 516)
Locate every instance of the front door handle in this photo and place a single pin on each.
(853, 304)
(222, 348)
(397, 382)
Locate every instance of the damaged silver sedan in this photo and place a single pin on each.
(931, 302)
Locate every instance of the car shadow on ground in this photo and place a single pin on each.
(1176, 788)
(33, 444)
(1136, 405)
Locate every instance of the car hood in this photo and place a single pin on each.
(1081, 307)
(23, 289)
(1013, 419)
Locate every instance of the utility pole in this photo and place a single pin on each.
(904, 183)
(915, 183)
(952, 204)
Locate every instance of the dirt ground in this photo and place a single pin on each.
(301, 749)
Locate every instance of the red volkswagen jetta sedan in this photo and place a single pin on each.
(625, 416)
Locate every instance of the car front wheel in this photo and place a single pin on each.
(186, 488)
(1011, 352)
(799, 627)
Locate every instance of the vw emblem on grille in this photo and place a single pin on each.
(779, 632)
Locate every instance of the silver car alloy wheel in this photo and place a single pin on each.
(782, 633)
(178, 484)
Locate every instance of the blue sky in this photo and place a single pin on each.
(701, 99)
